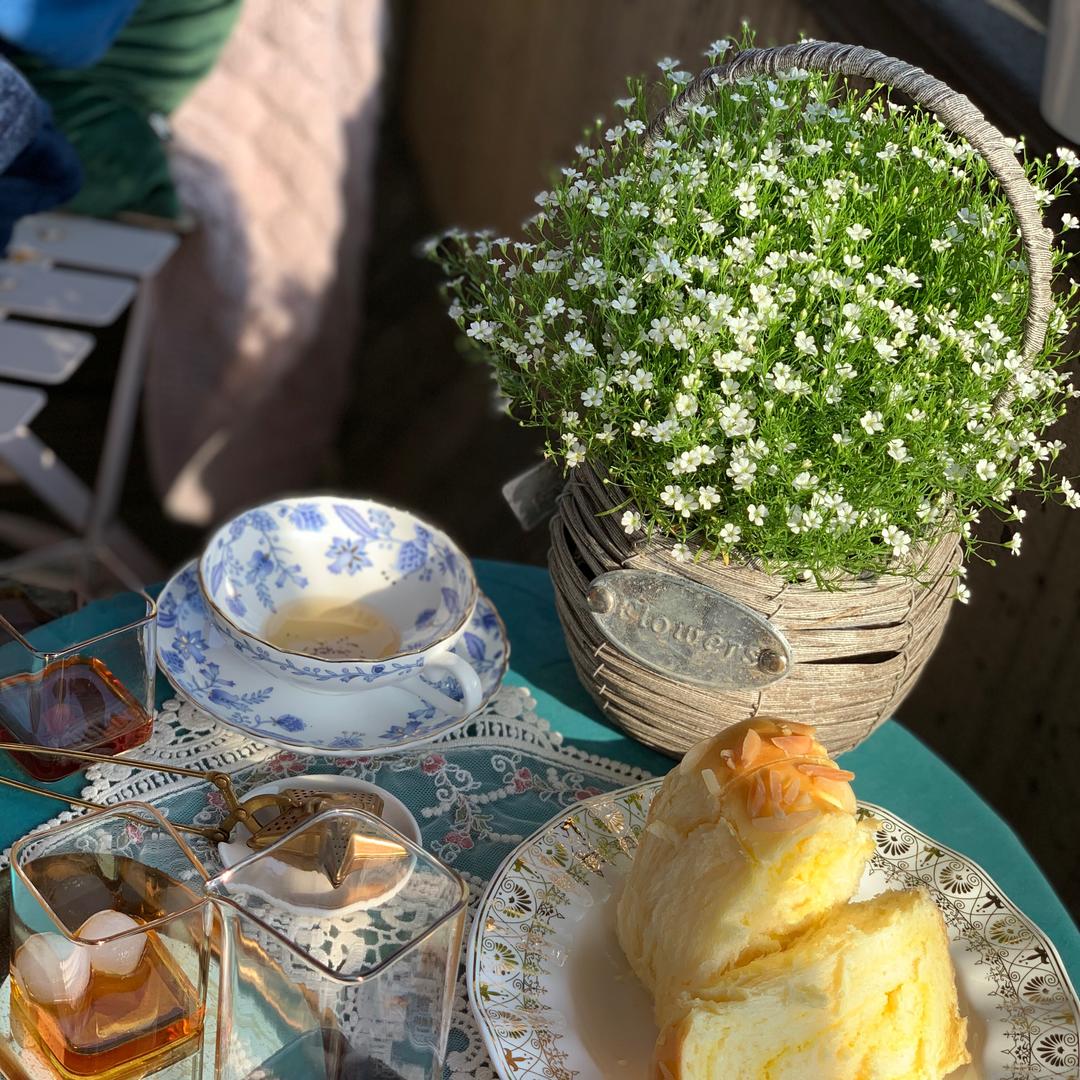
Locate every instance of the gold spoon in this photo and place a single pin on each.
(293, 805)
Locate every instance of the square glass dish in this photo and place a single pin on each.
(77, 672)
(340, 947)
(110, 944)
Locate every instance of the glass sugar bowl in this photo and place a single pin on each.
(110, 945)
(340, 946)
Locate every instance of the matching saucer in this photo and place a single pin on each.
(203, 666)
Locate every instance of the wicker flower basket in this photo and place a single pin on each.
(855, 650)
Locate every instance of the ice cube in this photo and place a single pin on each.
(52, 970)
(112, 957)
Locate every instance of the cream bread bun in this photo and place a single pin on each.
(868, 993)
(751, 840)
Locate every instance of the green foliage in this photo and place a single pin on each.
(785, 331)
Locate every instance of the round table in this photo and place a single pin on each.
(893, 769)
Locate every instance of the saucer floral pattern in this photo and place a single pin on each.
(200, 663)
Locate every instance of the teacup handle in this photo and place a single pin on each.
(466, 676)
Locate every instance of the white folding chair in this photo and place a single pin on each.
(85, 273)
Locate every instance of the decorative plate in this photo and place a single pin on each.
(554, 997)
(202, 665)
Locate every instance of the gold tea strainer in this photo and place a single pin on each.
(336, 855)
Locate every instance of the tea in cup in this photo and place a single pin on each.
(338, 594)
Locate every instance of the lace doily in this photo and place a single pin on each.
(477, 793)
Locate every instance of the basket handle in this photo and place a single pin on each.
(954, 110)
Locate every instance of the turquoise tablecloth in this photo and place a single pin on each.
(893, 768)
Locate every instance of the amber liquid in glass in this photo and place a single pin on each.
(76, 703)
(119, 1022)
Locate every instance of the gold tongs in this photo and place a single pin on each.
(292, 805)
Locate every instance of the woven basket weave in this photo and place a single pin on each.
(856, 650)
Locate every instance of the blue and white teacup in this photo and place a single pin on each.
(295, 552)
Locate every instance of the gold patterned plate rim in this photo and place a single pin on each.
(1019, 992)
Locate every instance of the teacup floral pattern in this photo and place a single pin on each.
(347, 549)
(203, 666)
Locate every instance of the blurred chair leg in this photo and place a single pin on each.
(120, 427)
(38, 467)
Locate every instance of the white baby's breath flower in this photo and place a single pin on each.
(735, 419)
(871, 422)
(1069, 221)
(685, 503)
(757, 513)
(1071, 495)
(744, 191)
(670, 494)
(641, 380)
(834, 187)
(624, 304)
(664, 431)
(575, 455)
(885, 349)
(579, 343)
(804, 481)
(784, 380)
(731, 362)
(686, 404)
(897, 450)
(482, 330)
(708, 497)
(742, 471)
(1068, 157)
(845, 514)
(631, 522)
(858, 232)
(963, 593)
(730, 534)
(681, 553)
(897, 539)
(1014, 543)
(592, 397)
(805, 343)
(985, 469)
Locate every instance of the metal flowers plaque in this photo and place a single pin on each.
(687, 631)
